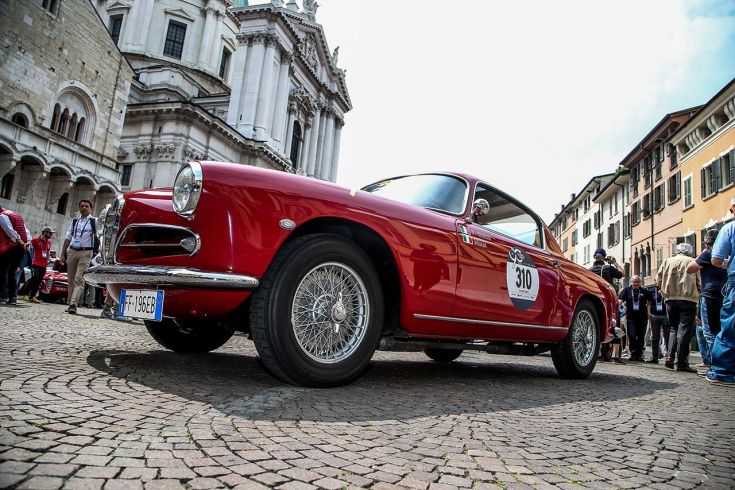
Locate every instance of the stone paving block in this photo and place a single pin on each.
(42, 483)
(76, 483)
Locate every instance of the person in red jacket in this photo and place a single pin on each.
(13, 244)
(41, 252)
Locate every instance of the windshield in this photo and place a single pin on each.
(439, 192)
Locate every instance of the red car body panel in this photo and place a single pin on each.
(58, 282)
(440, 275)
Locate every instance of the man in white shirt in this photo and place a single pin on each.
(79, 247)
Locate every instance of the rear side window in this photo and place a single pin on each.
(508, 217)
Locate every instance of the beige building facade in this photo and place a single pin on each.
(706, 145)
(61, 110)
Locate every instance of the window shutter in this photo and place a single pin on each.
(716, 171)
(731, 166)
(703, 181)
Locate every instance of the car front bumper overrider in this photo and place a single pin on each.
(158, 276)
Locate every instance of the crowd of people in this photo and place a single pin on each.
(18, 249)
(691, 297)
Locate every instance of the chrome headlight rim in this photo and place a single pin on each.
(194, 193)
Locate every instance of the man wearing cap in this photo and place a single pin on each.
(41, 255)
(681, 292)
(607, 268)
(13, 244)
(722, 371)
(79, 247)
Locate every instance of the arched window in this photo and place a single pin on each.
(64, 122)
(49, 5)
(72, 131)
(80, 130)
(73, 112)
(61, 206)
(636, 264)
(296, 139)
(20, 119)
(55, 118)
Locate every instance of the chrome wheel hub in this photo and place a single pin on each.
(583, 338)
(330, 312)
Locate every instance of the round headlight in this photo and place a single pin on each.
(187, 189)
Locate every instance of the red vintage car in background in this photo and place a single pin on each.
(53, 288)
(321, 276)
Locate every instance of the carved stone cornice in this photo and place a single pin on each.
(193, 154)
(165, 152)
(142, 151)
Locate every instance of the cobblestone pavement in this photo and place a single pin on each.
(91, 403)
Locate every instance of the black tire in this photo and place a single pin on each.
(287, 354)
(580, 366)
(190, 336)
(442, 355)
(45, 297)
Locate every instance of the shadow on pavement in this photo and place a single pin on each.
(237, 385)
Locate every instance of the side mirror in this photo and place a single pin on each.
(479, 208)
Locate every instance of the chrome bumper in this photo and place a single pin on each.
(166, 276)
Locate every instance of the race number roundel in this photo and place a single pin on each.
(522, 277)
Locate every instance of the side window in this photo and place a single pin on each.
(508, 217)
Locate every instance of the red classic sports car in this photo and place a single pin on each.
(320, 276)
(53, 287)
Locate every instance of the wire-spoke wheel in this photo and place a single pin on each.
(317, 316)
(575, 357)
(329, 312)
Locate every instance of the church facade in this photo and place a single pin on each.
(218, 80)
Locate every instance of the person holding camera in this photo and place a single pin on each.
(607, 268)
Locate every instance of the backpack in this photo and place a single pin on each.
(95, 238)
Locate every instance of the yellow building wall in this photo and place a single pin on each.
(715, 208)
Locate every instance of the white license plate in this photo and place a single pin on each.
(140, 303)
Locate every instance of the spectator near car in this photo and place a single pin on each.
(635, 298)
(722, 371)
(713, 280)
(681, 292)
(13, 244)
(41, 250)
(80, 245)
(606, 267)
(658, 321)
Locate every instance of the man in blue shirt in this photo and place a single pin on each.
(710, 304)
(722, 371)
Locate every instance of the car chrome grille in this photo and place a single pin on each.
(49, 282)
(111, 228)
(147, 240)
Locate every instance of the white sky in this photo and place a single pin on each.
(535, 96)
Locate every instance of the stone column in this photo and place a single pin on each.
(289, 131)
(204, 44)
(335, 152)
(279, 111)
(320, 143)
(264, 109)
(314, 135)
(304, 157)
(238, 79)
(326, 160)
(215, 51)
(142, 24)
(253, 74)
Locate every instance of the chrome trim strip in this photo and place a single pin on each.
(120, 244)
(167, 276)
(484, 322)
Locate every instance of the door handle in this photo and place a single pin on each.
(554, 263)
